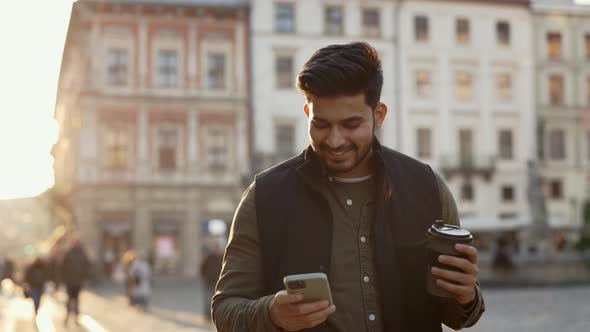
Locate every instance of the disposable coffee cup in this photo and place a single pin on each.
(441, 241)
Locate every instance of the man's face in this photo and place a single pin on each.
(341, 132)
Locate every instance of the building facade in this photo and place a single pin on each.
(153, 111)
(562, 50)
(285, 33)
(465, 103)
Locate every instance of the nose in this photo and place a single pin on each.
(335, 138)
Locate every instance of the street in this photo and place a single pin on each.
(176, 307)
(564, 309)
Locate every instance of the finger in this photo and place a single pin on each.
(453, 276)
(458, 290)
(318, 317)
(283, 297)
(307, 308)
(468, 250)
(461, 263)
(321, 314)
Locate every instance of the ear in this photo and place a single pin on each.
(380, 113)
(306, 110)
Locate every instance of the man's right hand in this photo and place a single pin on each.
(287, 313)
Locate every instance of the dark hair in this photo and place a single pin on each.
(343, 70)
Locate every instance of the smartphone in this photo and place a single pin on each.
(313, 286)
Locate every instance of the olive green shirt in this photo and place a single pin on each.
(240, 304)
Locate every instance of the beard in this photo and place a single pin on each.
(347, 165)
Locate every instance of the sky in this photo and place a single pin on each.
(32, 36)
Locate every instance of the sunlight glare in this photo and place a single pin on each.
(34, 34)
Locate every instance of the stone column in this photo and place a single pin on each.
(191, 238)
(143, 166)
(192, 141)
(192, 56)
(143, 54)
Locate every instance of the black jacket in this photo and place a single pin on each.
(295, 227)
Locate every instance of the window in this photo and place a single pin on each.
(371, 22)
(167, 68)
(556, 89)
(507, 194)
(117, 148)
(423, 84)
(467, 192)
(588, 91)
(285, 139)
(508, 215)
(587, 42)
(284, 17)
(117, 67)
(503, 33)
(505, 144)
(216, 71)
(463, 85)
(554, 48)
(555, 189)
(504, 86)
(462, 30)
(284, 72)
(167, 148)
(421, 33)
(557, 144)
(217, 148)
(466, 147)
(334, 20)
(424, 140)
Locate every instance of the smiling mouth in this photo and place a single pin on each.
(338, 155)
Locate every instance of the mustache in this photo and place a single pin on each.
(340, 149)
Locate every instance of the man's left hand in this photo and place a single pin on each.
(462, 284)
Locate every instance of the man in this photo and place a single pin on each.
(74, 271)
(140, 274)
(35, 279)
(351, 209)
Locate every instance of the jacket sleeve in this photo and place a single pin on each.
(239, 303)
(455, 315)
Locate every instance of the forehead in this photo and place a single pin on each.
(339, 107)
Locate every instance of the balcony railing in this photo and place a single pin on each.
(468, 165)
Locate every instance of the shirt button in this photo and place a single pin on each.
(366, 279)
(363, 239)
(371, 317)
(349, 202)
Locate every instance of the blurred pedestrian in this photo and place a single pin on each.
(140, 275)
(128, 258)
(503, 255)
(6, 268)
(54, 269)
(210, 269)
(35, 278)
(109, 262)
(74, 272)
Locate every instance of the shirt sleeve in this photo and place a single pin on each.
(239, 303)
(455, 315)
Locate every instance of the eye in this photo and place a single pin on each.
(319, 125)
(352, 125)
